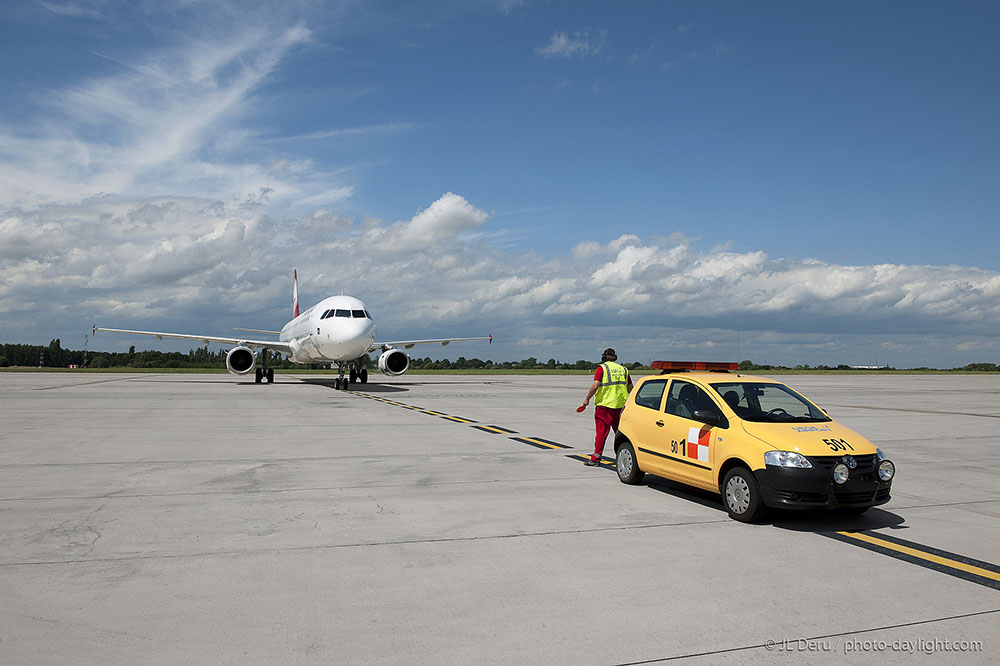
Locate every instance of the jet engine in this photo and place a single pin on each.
(240, 360)
(393, 362)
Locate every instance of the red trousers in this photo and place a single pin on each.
(605, 419)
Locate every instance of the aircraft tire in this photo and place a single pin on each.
(363, 376)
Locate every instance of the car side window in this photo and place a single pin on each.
(684, 399)
(650, 394)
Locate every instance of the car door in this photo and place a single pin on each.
(690, 455)
(645, 424)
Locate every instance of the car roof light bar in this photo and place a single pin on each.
(706, 366)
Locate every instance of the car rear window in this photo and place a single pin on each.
(650, 394)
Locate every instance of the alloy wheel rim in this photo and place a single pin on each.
(738, 494)
(624, 463)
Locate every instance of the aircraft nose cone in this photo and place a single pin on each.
(348, 337)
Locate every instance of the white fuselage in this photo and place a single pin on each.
(337, 329)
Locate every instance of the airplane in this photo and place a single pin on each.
(338, 330)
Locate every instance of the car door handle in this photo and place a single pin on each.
(659, 423)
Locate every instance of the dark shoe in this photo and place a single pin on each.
(590, 462)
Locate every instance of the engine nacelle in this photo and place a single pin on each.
(393, 362)
(240, 360)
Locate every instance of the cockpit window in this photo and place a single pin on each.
(768, 403)
(342, 313)
(369, 314)
(326, 314)
(358, 314)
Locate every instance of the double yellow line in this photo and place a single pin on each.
(976, 571)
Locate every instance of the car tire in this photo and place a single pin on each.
(741, 495)
(626, 465)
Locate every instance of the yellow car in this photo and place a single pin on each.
(753, 440)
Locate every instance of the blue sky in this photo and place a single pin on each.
(566, 175)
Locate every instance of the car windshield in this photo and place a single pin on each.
(768, 403)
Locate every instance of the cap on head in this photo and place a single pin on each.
(609, 355)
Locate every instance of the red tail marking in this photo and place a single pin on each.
(295, 293)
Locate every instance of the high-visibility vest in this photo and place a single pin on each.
(613, 391)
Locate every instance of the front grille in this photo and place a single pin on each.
(864, 470)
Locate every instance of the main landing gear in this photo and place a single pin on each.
(264, 372)
(358, 373)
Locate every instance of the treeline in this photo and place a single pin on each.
(530, 363)
(750, 366)
(54, 356)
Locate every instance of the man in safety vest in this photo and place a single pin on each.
(610, 389)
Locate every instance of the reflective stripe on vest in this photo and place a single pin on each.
(613, 391)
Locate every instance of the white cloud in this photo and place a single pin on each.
(561, 45)
(146, 128)
(383, 128)
(71, 9)
(204, 265)
(442, 221)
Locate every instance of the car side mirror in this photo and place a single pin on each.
(710, 418)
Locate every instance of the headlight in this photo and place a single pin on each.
(840, 474)
(879, 454)
(786, 459)
(886, 470)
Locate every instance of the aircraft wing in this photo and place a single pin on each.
(282, 347)
(408, 344)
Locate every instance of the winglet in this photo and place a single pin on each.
(491, 339)
(295, 293)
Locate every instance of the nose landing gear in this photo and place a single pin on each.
(356, 373)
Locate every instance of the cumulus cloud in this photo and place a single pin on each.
(204, 265)
(562, 45)
(323, 226)
(442, 221)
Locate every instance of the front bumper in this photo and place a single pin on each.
(794, 488)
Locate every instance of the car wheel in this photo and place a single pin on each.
(627, 467)
(741, 495)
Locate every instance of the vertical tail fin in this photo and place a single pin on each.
(295, 293)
